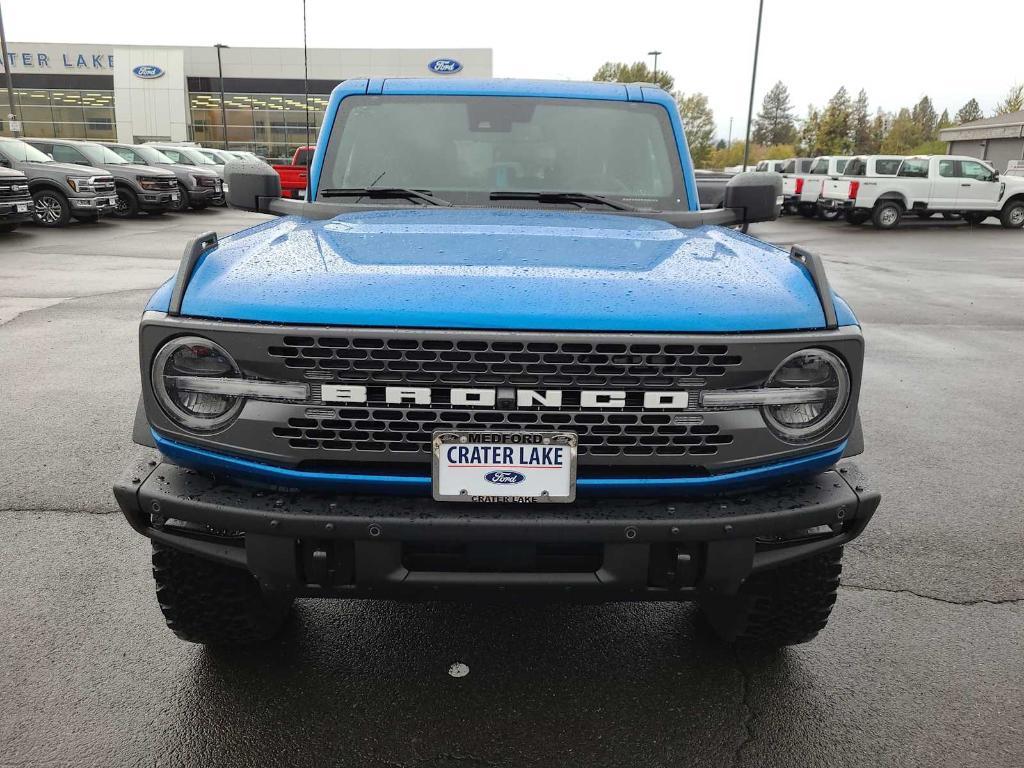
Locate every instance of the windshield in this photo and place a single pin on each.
(20, 152)
(466, 147)
(217, 159)
(151, 155)
(97, 154)
(193, 156)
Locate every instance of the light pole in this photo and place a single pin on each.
(655, 54)
(223, 106)
(753, 81)
(12, 116)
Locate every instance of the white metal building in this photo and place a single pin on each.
(139, 93)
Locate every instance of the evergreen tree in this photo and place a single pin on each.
(969, 112)
(699, 124)
(834, 133)
(924, 117)
(1014, 101)
(944, 121)
(904, 134)
(878, 131)
(720, 145)
(637, 72)
(860, 127)
(809, 131)
(774, 123)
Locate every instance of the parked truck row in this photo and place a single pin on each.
(52, 181)
(886, 188)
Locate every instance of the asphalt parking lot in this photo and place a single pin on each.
(922, 663)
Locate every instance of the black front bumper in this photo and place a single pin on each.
(9, 213)
(399, 546)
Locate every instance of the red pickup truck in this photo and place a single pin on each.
(294, 177)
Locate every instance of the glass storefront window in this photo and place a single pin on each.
(269, 124)
(61, 113)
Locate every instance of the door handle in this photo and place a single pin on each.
(965, 185)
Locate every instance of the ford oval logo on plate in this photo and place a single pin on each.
(147, 71)
(444, 66)
(504, 477)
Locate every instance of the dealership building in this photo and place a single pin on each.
(143, 93)
(999, 139)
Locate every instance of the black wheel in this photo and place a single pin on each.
(214, 604)
(856, 218)
(182, 204)
(8, 227)
(51, 208)
(783, 606)
(127, 204)
(887, 214)
(828, 214)
(975, 218)
(1012, 216)
(807, 210)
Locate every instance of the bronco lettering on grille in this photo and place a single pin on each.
(487, 398)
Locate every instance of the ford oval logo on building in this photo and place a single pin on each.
(504, 477)
(444, 66)
(148, 71)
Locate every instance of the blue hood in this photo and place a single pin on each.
(509, 269)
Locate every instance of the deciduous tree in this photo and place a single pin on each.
(637, 72)
(1013, 102)
(699, 124)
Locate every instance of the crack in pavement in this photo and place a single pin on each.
(71, 299)
(749, 714)
(60, 510)
(947, 601)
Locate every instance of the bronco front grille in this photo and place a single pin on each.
(408, 430)
(567, 364)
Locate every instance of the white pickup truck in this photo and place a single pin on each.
(793, 173)
(822, 169)
(948, 184)
(836, 198)
(771, 165)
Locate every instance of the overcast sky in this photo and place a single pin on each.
(897, 51)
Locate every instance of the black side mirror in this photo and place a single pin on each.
(758, 196)
(5, 162)
(250, 183)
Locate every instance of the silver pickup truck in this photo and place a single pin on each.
(15, 201)
(60, 191)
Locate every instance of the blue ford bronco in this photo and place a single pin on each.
(498, 350)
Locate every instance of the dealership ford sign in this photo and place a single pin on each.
(444, 66)
(148, 71)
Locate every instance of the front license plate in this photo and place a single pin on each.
(22, 207)
(174, 197)
(111, 201)
(505, 467)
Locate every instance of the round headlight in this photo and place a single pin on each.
(821, 372)
(178, 366)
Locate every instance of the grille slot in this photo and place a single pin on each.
(452, 362)
(408, 431)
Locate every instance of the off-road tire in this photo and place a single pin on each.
(887, 214)
(787, 605)
(214, 604)
(1012, 216)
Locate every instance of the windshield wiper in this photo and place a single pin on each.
(561, 197)
(385, 192)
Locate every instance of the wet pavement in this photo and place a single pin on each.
(921, 664)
